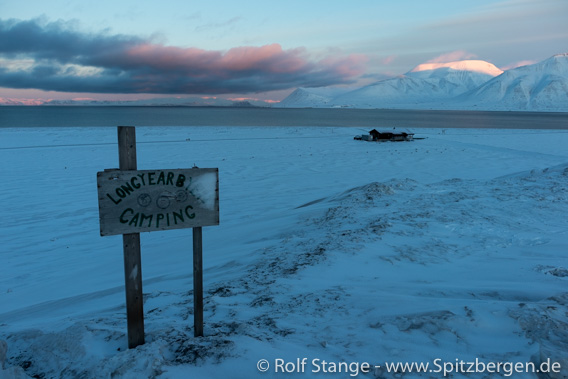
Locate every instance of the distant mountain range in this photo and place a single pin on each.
(469, 84)
(466, 85)
(164, 102)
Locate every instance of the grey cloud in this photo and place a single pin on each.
(128, 64)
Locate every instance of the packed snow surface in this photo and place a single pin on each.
(451, 247)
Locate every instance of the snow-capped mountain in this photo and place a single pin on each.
(455, 76)
(469, 84)
(473, 66)
(538, 87)
(312, 97)
(194, 101)
(306, 97)
(11, 101)
(425, 83)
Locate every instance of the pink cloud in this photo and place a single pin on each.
(457, 55)
(268, 101)
(269, 61)
(167, 57)
(388, 60)
(268, 58)
(518, 64)
(241, 98)
(125, 65)
(350, 66)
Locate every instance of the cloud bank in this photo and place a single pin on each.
(453, 56)
(56, 57)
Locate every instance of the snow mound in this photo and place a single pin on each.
(545, 323)
(13, 372)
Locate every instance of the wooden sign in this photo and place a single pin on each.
(149, 200)
(133, 201)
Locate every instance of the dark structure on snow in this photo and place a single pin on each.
(375, 135)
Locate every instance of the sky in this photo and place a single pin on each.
(125, 50)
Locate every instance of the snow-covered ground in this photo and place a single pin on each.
(451, 247)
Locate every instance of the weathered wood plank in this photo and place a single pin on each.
(131, 246)
(127, 148)
(151, 200)
(198, 282)
(133, 288)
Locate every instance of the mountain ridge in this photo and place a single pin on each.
(468, 85)
(542, 86)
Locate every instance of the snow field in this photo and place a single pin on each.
(449, 247)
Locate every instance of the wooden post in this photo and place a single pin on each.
(131, 245)
(198, 282)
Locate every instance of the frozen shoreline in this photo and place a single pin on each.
(406, 251)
